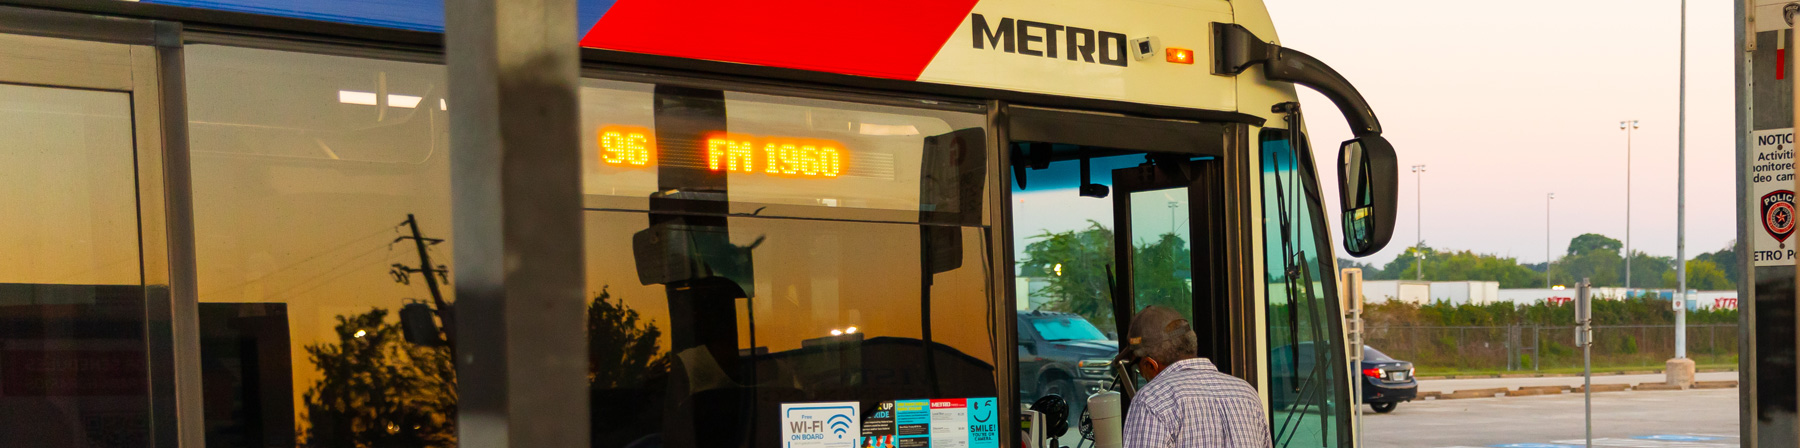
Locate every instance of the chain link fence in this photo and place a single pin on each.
(1529, 348)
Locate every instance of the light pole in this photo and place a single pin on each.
(1627, 126)
(1547, 259)
(1419, 218)
(1680, 371)
(1681, 202)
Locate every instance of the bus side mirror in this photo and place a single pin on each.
(1368, 178)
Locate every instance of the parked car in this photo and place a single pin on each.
(1387, 382)
(1063, 354)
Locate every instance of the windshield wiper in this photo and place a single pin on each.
(1297, 277)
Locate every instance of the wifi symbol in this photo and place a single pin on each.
(840, 424)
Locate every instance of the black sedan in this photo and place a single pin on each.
(1386, 381)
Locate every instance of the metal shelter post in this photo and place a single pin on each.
(1584, 337)
(515, 159)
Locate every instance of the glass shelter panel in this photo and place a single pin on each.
(72, 302)
(310, 174)
(1308, 405)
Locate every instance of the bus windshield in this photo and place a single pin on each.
(1067, 329)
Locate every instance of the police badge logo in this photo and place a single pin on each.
(1778, 214)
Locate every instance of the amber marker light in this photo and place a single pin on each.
(1179, 55)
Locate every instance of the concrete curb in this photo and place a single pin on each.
(1598, 388)
(1473, 393)
(1526, 391)
(1536, 390)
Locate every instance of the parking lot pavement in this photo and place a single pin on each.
(1452, 385)
(1700, 418)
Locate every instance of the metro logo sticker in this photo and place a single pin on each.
(1031, 46)
(1076, 43)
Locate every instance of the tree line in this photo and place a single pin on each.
(1591, 255)
(1631, 311)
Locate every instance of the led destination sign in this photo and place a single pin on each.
(635, 146)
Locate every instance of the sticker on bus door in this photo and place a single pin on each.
(912, 423)
(878, 430)
(984, 423)
(949, 423)
(820, 425)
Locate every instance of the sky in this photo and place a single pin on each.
(1505, 102)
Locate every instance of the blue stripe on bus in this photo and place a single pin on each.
(416, 15)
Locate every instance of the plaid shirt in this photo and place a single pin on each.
(1191, 404)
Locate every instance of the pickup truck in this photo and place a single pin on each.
(1063, 354)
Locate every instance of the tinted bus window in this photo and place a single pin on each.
(771, 250)
(745, 251)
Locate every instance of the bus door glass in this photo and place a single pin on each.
(1063, 242)
(1168, 246)
(1309, 397)
(1128, 228)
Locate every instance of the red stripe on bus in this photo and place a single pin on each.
(894, 40)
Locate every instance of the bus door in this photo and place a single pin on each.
(1170, 250)
(1110, 214)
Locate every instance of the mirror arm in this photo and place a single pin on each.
(1237, 49)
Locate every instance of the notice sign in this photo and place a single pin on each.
(820, 425)
(1772, 184)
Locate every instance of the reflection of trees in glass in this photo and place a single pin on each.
(376, 390)
(620, 352)
(1163, 270)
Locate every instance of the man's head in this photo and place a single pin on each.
(1161, 337)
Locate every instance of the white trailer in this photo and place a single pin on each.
(1409, 291)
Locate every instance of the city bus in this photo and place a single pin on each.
(875, 212)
